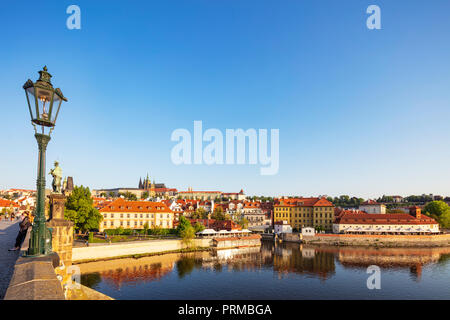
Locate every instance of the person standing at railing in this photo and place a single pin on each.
(23, 225)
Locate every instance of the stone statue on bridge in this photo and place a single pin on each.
(57, 176)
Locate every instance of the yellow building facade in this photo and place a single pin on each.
(135, 214)
(305, 212)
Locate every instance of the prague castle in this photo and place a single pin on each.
(145, 188)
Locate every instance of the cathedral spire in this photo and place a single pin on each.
(147, 182)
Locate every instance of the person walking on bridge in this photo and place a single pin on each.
(24, 225)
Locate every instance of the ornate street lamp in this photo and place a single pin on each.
(43, 103)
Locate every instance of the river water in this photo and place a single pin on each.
(276, 271)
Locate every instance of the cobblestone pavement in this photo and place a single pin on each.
(8, 234)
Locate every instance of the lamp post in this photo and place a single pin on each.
(44, 103)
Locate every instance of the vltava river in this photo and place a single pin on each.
(276, 271)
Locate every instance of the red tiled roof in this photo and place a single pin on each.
(7, 203)
(304, 202)
(217, 224)
(164, 189)
(339, 212)
(200, 192)
(389, 218)
(120, 205)
(251, 236)
(250, 204)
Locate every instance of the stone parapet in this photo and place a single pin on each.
(35, 279)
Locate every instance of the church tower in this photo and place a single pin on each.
(146, 185)
(140, 183)
(152, 189)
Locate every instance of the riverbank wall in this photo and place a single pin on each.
(135, 248)
(102, 251)
(441, 240)
(237, 242)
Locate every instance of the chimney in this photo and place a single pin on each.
(416, 212)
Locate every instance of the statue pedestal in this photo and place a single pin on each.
(62, 229)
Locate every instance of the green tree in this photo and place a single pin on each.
(119, 231)
(243, 222)
(129, 196)
(199, 213)
(146, 226)
(185, 231)
(183, 224)
(218, 214)
(80, 210)
(145, 195)
(319, 228)
(157, 230)
(198, 227)
(440, 211)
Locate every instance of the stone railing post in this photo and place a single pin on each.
(62, 229)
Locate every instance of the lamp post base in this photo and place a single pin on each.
(40, 241)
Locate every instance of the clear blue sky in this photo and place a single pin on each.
(360, 112)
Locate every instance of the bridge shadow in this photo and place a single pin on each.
(8, 234)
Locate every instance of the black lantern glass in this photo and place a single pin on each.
(43, 100)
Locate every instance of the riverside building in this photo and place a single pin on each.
(415, 222)
(135, 214)
(305, 212)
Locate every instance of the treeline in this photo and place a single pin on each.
(346, 201)
(413, 199)
(260, 198)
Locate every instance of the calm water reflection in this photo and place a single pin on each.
(282, 271)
